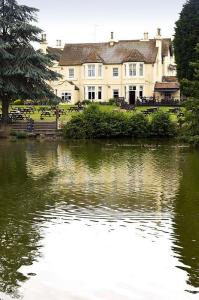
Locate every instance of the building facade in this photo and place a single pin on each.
(130, 69)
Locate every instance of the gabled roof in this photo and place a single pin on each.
(134, 55)
(93, 57)
(135, 50)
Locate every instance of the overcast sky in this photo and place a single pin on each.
(92, 21)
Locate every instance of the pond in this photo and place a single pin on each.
(99, 220)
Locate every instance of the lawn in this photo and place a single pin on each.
(68, 115)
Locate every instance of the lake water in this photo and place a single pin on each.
(103, 220)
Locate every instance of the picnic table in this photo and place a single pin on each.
(46, 113)
(75, 108)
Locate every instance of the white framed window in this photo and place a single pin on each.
(132, 70)
(141, 91)
(115, 72)
(66, 97)
(132, 88)
(141, 70)
(99, 70)
(91, 92)
(71, 73)
(99, 93)
(91, 70)
(115, 93)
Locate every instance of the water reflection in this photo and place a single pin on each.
(186, 222)
(111, 193)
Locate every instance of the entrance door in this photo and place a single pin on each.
(132, 97)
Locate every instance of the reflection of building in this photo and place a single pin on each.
(119, 173)
(127, 68)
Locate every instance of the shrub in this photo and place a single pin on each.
(138, 126)
(86, 102)
(18, 102)
(95, 123)
(161, 125)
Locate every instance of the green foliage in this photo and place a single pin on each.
(24, 71)
(162, 126)
(186, 39)
(138, 126)
(18, 102)
(95, 123)
(86, 102)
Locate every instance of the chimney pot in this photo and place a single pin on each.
(159, 32)
(112, 35)
(43, 37)
(58, 43)
(146, 36)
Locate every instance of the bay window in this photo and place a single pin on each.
(91, 70)
(91, 92)
(141, 70)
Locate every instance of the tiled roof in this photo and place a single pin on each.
(55, 51)
(167, 86)
(135, 50)
(93, 57)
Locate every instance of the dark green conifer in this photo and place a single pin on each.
(24, 71)
(186, 39)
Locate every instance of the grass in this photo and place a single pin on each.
(68, 115)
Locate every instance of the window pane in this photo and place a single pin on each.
(91, 92)
(91, 70)
(99, 93)
(100, 71)
(115, 72)
(134, 69)
(66, 97)
(115, 94)
(130, 70)
(71, 72)
(141, 69)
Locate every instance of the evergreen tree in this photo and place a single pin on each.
(24, 71)
(186, 39)
(191, 87)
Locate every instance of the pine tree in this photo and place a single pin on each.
(24, 71)
(186, 39)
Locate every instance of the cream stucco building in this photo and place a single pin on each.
(128, 68)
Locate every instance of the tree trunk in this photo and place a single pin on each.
(5, 110)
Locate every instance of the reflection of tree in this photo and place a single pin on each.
(20, 197)
(186, 221)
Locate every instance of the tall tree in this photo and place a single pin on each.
(24, 71)
(186, 39)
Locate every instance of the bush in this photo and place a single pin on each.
(18, 102)
(94, 123)
(86, 102)
(161, 125)
(138, 126)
